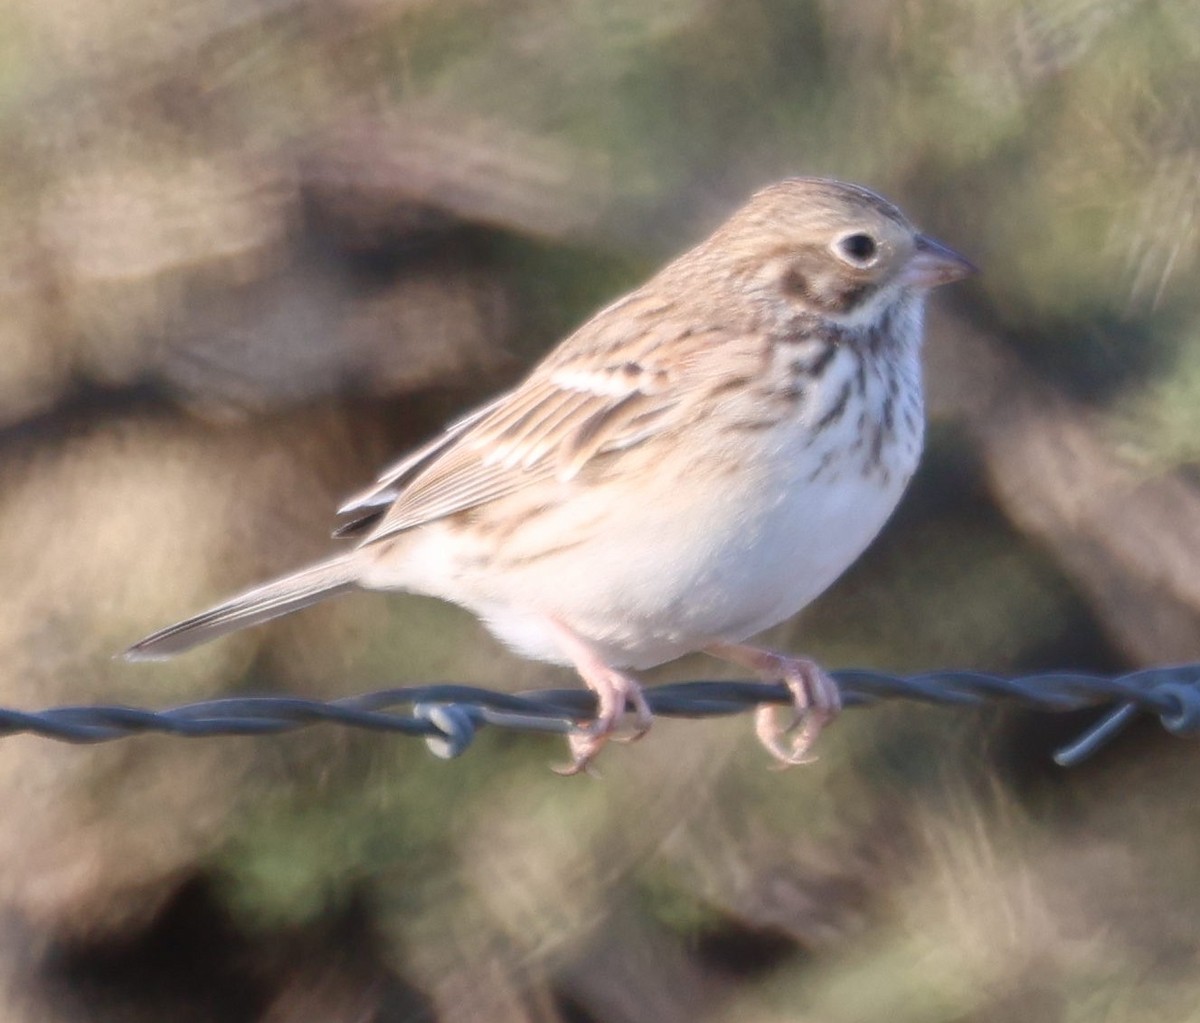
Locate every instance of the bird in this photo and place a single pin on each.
(694, 464)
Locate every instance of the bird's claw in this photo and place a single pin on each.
(611, 699)
(816, 700)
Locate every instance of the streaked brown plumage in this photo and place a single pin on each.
(692, 465)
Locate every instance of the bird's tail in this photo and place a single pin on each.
(260, 604)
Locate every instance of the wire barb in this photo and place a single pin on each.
(448, 716)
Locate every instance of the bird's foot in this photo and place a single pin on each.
(613, 689)
(816, 700)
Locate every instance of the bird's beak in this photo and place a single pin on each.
(933, 264)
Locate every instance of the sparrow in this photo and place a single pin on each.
(693, 465)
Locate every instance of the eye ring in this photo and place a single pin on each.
(858, 248)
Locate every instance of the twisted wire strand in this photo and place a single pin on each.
(448, 716)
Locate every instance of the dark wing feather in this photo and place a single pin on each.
(629, 373)
(388, 485)
(550, 426)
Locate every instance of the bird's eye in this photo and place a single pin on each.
(857, 249)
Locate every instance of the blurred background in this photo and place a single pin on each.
(252, 249)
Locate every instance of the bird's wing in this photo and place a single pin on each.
(564, 415)
(395, 477)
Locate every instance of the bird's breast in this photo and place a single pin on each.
(715, 533)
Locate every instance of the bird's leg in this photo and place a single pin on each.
(816, 699)
(613, 689)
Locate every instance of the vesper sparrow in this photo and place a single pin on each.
(693, 465)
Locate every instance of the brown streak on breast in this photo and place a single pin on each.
(836, 410)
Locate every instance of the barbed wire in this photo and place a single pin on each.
(449, 716)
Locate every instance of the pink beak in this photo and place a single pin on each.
(933, 264)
